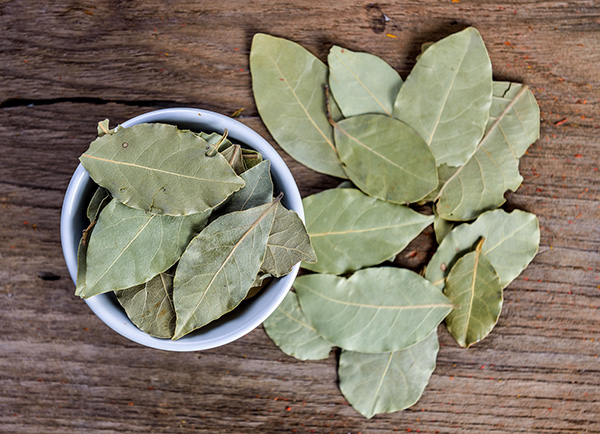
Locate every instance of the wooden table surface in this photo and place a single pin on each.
(66, 64)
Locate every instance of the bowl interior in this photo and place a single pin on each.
(250, 313)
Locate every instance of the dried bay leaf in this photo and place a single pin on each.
(214, 138)
(288, 83)
(441, 228)
(251, 158)
(447, 96)
(386, 158)
(350, 230)
(474, 287)
(219, 266)
(291, 331)
(511, 242)
(288, 244)
(362, 83)
(158, 168)
(234, 157)
(375, 310)
(128, 247)
(261, 280)
(150, 305)
(257, 191)
(480, 184)
(98, 201)
(387, 382)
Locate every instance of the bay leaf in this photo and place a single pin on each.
(350, 230)
(288, 244)
(474, 287)
(219, 266)
(214, 138)
(158, 168)
(81, 266)
(480, 184)
(447, 96)
(375, 310)
(441, 228)
(257, 191)
(362, 83)
(98, 201)
(387, 382)
(251, 158)
(261, 280)
(291, 331)
(511, 242)
(234, 157)
(346, 184)
(150, 305)
(288, 84)
(103, 128)
(386, 158)
(129, 247)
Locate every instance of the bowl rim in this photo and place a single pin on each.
(254, 313)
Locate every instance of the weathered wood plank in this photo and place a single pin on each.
(62, 370)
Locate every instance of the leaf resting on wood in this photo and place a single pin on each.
(511, 242)
(284, 72)
(350, 230)
(374, 311)
(387, 382)
(474, 287)
(362, 83)
(291, 331)
(386, 158)
(447, 96)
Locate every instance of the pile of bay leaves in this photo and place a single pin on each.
(183, 226)
(449, 135)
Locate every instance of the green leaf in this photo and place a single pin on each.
(288, 244)
(257, 191)
(261, 280)
(98, 201)
(288, 84)
(474, 287)
(103, 128)
(387, 382)
(219, 266)
(214, 138)
(291, 331)
(386, 158)
(511, 242)
(129, 247)
(251, 158)
(81, 266)
(447, 96)
(441, 228)
(480, 184)
(150, 305)
(234, 157)
(375, 310)
(158, 168)
(362, 83)
(350, 230)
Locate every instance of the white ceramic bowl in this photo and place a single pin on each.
(236, 323)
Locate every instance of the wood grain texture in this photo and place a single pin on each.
(66, 64)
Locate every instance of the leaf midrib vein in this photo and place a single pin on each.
(152, 169)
